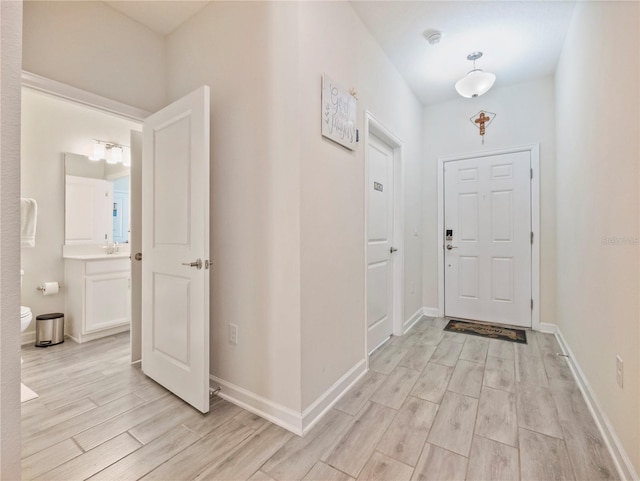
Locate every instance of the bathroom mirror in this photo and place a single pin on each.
(96, 201)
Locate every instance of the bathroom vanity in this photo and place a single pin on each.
(97, 270)
(98, 300)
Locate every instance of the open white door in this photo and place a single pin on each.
(175, 248)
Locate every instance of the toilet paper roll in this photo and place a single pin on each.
(50, 288)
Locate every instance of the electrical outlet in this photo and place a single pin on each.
(233, 333)
(619, 371)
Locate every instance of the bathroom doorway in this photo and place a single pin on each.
(95, 268)
(84, 215)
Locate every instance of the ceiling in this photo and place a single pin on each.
(161, 16)
(520, 39)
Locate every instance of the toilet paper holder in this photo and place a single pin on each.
(42, 287)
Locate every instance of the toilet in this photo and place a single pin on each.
(25, 313)
(25, 318)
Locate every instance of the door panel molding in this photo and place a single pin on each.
(534, 152)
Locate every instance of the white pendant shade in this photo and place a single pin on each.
(475, 83)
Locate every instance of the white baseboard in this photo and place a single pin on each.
(409, 323)
(547, 328)
(320, 406)
(283, 416)
(620, 458)
(287, 418)
(430, 311)
(28, 337)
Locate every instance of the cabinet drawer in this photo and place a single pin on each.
(102, 267)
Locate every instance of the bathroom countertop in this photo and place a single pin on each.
(98, 257)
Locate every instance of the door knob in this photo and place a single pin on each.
(449, 247)
(393, 249)
(138, 256)
(197, 264)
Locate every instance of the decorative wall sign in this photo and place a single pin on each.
(482, 120)
(338, 114)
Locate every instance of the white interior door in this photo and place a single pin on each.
(379, 243)
(488, 258)
(175, 248)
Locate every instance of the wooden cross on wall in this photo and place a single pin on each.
(482, 121)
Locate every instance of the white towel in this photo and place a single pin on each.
(28, 219)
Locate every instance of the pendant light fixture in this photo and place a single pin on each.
(477, 81)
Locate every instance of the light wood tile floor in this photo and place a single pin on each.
(434, 406)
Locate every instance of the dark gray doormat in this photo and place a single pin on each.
(487, 330)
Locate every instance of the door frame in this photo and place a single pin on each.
(534, 153)
(373, 126)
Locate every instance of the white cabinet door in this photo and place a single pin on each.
(108, 300)
(88, 210)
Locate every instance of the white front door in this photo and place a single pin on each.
(175, 248)
(487, 260)
(379, 243)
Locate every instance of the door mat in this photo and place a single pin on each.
(487, 330)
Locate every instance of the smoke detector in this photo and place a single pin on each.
(433, 36)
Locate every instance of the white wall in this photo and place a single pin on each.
(91, 46)
(51, 127)
(525, 115)
(10, 46)
(597, 95)
(287, 206)
(332, 190)
(246, 52)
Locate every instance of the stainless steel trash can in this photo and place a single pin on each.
(49, 329)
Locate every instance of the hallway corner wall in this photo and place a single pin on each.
(332, 191)
(247, 53)
(598, 105)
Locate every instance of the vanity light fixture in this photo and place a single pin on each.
(477, 81)
(111, 152)
(98, 151)
(116, 154)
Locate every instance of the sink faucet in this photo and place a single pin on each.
(112, 248)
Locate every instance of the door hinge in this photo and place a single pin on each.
(532, 304)
(531, 173)
(531, 238)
